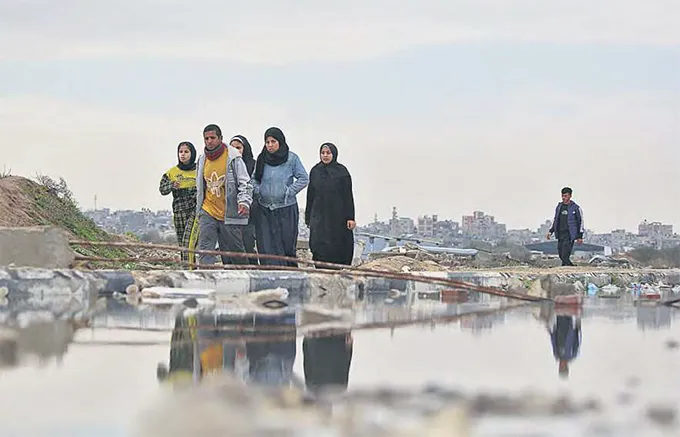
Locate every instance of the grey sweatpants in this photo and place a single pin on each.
(212, 232)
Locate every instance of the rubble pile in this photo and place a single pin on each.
(305, 254)
(610, 261)
(401, 263)
(412, 258)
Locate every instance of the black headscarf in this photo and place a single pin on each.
(191, 165)
(274, 159)
(333, 169)
(247, 154)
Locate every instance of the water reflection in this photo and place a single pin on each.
(257, 348)
(32, 331)
(42, 341)
(653, 316)
(327, 361)
(564, 328)
(478, 324)
(260, 349)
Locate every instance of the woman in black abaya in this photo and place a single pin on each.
(330, 209)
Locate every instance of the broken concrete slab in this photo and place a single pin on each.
(33, 288)
(341, 290)
(545, 283)
(44, 247)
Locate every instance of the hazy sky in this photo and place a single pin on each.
(440, 106)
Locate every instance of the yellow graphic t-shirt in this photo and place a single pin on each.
(212, 359)
(186, 178)
(214, 174)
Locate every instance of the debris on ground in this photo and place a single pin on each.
(413, 258)
(609, 261)
(304, 254)
(402, 263)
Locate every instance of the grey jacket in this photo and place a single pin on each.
(238, 188)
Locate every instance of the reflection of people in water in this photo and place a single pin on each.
(205, 343)
(271, 361)
(327, 361)
(653, 316)
(565, 336)
(182, 357)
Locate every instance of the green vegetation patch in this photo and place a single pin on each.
(54, 206)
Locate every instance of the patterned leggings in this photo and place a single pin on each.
(184, 221)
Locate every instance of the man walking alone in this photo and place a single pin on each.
(567, 226)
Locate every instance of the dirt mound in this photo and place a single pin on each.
(14, 203)
(24, 202)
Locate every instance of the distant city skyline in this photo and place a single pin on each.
(478, 228)
(439, 217)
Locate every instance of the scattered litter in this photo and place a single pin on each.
(610, 289)
(609, 261)
(402, 263)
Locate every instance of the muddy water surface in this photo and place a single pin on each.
(627, 366)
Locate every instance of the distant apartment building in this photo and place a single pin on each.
(621, 240)
(545, 227)
(446, 228)
(136, 222)
(377, 227)
(401, 225)
(655, 230)
(483, 226)
(520, 236)
(426, 225)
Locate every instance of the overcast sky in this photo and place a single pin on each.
(439, 106)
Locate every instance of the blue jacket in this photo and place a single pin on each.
(574, 218)
(281, 184)
(565, 347)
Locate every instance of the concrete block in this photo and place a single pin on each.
(481, 278)
(28, 288)
(332, 291)
(297, 283)
(231, 282)
(44, 247)
(551, 286)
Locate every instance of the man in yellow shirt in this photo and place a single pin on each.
(223, 199)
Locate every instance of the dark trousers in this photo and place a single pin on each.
(277, 232)
(326, 362)
(249, 242)
(229, 237)
(564, 247)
